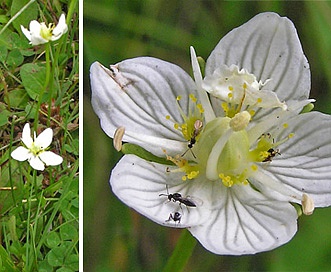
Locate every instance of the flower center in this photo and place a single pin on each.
(223, 149)
(46, 32)
(35, 149)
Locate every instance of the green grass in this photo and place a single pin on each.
(116, 238)
(38, 85)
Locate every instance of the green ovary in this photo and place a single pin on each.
(233, 163)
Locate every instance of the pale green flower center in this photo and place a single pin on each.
(35, 149)
(222, 149)
(46, 32)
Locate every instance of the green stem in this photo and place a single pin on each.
(48, 74)
(182, 252)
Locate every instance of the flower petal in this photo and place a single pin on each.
(268, 47)
(246, 222)
(21, 154)
(44, 139)
(26, 136)
(26, 32)
(139, 183)
(60, 29)
(305, 160)
(138, 94)
(36, 163)
(35, 28)
(50, 158)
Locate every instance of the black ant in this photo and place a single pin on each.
(178, 197)
(176, 216)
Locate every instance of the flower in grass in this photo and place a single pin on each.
(39, 33)
(35, 150)
(239, 148)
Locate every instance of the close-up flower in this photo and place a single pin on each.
(242, 155)
(39, 33)
(35, 149)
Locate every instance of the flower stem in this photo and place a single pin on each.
(182, 252)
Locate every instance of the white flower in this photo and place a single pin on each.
(39, 33)
(35, 149)
(241, 153)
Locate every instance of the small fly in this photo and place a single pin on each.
(187, 201)
(176, 217)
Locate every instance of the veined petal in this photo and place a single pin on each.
(247, 222)
(139, 183)
(21, 154)
(305, 161)
(44, 139)
(268, 47)
(36, 163)
(138, 94)
(50, 158)
(26, 136)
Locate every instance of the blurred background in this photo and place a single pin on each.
(116, 238)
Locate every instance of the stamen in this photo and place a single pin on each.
(307, 204)
(118, 137)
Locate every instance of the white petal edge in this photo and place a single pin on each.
(305, 160)
(21, 154)
(44, 139)
(36, 163)
(26, 136)
(50, 158)
(138, 94)
(139, 183)
(26, 33)
(60, 29)
(246, 223)
(268, 47)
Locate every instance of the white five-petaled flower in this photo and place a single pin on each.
(39, 33)
(241, 152)
(35, 149)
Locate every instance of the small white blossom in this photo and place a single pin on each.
(35, 150)
(241, 153)
(39, 33)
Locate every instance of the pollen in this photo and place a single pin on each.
(226, 180)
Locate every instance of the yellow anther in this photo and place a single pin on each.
(230, 88)
(254, 167)
(168, 117)
(179, 97)
(285, 125)
(259, 100)
(245, 85)
(193, 98)
(307, 204)
(290, 135)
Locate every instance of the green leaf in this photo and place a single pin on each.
(56, 256)
(68, 232)
(17, 99)
(25, 16)
(72, 262)
(53, 239)
(4, 117)
(6, 262)
(3, 52)
(33, 79)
